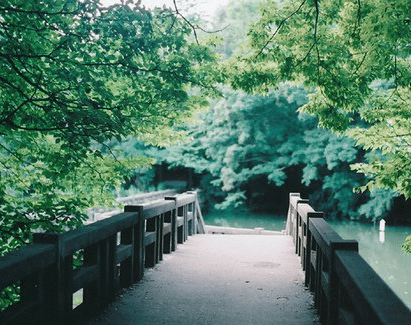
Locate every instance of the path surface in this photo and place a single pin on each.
(219, 279)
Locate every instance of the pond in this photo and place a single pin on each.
(384, 256)
(245, 220)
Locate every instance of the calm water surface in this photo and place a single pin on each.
(385, 257)
(245, 220)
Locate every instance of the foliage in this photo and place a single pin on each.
(245, 141)
(218, 145)
(341, 50)
(406, 246)
(242, 137)
(9, 296)
(74, 76)
(325, 158)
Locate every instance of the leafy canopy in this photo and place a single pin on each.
(355, 55)
(73, 76)
(248, 145)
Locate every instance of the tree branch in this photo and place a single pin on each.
(279, 27)
(185, 19)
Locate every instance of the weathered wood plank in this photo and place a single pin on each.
(83, 276)
(375, 302)
(180, 221)
(166, 228)
(75, 240)
(26, 313)
(157, 208)
(182, 199)
(123, 252)
(303, 209)
(150, 237)
(328, 239)
(25, 261)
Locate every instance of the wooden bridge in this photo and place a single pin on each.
(211, 279)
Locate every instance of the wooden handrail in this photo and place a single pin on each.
(115, 251)
(24, 262)
(346, 289)
(102, 213)
(362, 287)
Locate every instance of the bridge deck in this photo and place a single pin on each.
(219, 279)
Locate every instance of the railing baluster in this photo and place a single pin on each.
(174, 229)
(92, 291)
(168, 235)
(138, 249)
(56, 291)
(126, 268)
(151, 247)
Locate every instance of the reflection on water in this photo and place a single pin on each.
(385, 257)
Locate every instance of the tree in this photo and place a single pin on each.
(246, 146)
(240, 138)
(73, 76)
(344, 51)
(320, 158)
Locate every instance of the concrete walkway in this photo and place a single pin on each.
(219, 279)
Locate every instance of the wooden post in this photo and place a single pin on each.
(160, 237)
(139, 234)
(126, 267)
(297, 226)
(309, 249)
(107, 268)
(58, 294)
(289, 224)
(180, 228)
(175, 237)
(92, 293)
(201, 224)
(346, 245)
(194, 210)
(174, 230)
(198, 221)
(168, 237)
(184, 211)
(151, 249)
(139, 231)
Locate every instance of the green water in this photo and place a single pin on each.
(386, 258)
(245, 220)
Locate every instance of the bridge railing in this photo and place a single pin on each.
(346, 289)
(100, 213)
(112, 253)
